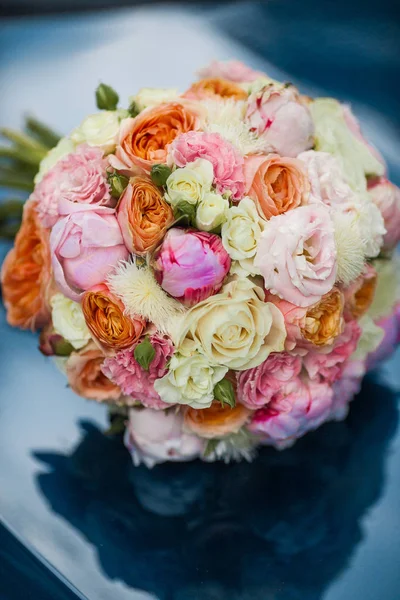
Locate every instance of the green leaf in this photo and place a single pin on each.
(185, 211)
(22, 140)
(159, 174)
(144, 354)
(44, 134)
(224, 393)
(25, 155)
(117, 425)
(210, 447)
(118, 184)
(106, 97)
(133, 109)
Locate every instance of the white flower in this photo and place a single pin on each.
(211, 211)
(190, 381)
(370, 339)
(65, 146)
(350, 247)
(100, 129)
(387, 289)
(371, 225)
(241, 232)
(191, 183)
(153, 96)
(68, 321)
(252, 87)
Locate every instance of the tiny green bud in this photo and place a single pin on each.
(133, 109)
(118, 183)
(185, 210)
(144, 354)
(106, 97)
(159, 174)
(224, 393)
(62, 347)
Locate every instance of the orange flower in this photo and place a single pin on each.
(217, 420)
(143, 215)
(360, 294)
(104, 315)
(143, 140)
(26, 274)
(276, 184)
(215, 86)
(324, 321)
(85, 377)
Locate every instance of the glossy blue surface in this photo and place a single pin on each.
(318, 521)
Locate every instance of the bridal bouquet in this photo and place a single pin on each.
(218, 266)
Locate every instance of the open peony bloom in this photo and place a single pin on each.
(224, 157)
(386, 196)
(277, 113)
(191, 265)
(85, 245)
(297, 256)
(26, 274)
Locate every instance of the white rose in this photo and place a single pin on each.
(235, 328)
(241, 233)
(190, 380)
(68, 321)
(371, 337)
(191, 183)
(65, 146)
(153, 96)
(100, 129)
(211, 211)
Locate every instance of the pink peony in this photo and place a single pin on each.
(227, 162)
(191, 265)
(78, 177)
(85, 245)
(278, 114)
(327, 363)
(386, 196)
(255, 387)
(296, 255)
(391, 338)
(154, 437)
(133, 380)
(345, 388)
(298, 407)
(354, 126)
(232, 70)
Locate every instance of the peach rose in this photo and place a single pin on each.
(143, 215)
(86, 378)
(215, 86)
(143, 140)
(217, 420)
(104, 315)
(324, 321)
(360, 294)
(26, 274)
(276, 183)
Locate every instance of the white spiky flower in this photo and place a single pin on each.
(142, 296)
(226, 117)
(350, 247)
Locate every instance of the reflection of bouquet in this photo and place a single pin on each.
(217, 262)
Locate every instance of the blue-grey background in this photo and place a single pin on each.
(320, 521)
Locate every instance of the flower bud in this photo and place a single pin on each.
(106, 97)
(53, 344)
(118, 184)
(144, 354)
(159, 174)
(224, 393)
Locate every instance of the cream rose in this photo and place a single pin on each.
(100, 129)
(235, 328)
(65, 146)
(153, 96)
(191, 183)
(211, 211)
(241, 232)
(190, 381)
(68, 321)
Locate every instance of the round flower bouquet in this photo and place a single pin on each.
(217, 266)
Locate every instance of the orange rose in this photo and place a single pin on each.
(143, 215)
(276, 184)
(143, 140)
(360, 294)
(215, 86)
(324, 321)
(104, 315)
(217, 420)
(26, 274)
(85, 377)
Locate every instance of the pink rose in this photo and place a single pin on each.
(391, 338)
(345, 388)
(226, 160)
(295, 320)
(298, 407)
(327, 363)
(78, 177)
(133, 380)
(85, 245)
(277, 114)
(255, 387)
(191, 265)
(232, 70)
(155, 436)
(296, 255)
(386, 196)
